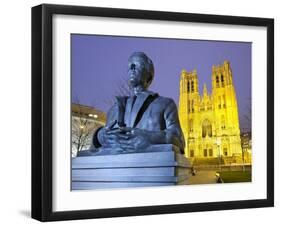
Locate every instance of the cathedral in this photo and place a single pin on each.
(210, 121)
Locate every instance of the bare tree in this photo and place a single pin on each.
(247, 116)
(82, 130)
(121, 89)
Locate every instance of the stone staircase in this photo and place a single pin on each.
(205, 161)
(225, 163)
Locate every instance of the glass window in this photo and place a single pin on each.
(205, 153)
(191, 125)
(222, 80)
(191, 153)
(217, 81)
(222, 122)
(192, 86)
(225, 151)
(206, 128)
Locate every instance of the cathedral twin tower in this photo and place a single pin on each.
(210, 122)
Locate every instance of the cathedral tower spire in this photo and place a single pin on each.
(205, 91)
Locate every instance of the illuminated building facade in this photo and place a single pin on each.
(210, 122)
(84, 122)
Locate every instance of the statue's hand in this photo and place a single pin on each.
(133, 139)
(125, 138)
(108, 137)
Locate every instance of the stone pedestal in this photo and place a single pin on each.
(162, 167)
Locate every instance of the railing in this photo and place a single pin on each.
(231, 167)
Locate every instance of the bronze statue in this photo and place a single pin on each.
(138, 122)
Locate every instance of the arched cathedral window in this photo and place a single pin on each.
(192, 106)
(217, 81)
(188, 87)
(206, 128)
(224, 101)
(219, 102)
(192, 86)
(191, 125)
(222, 80)
(222, 122)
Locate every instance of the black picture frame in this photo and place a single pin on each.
(42, 107)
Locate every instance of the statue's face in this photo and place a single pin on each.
(137, 73)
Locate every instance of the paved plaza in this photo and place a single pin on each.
(203, 177)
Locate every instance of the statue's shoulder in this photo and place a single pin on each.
(165, 100)
(162, 100)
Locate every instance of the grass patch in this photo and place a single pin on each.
(236, 176)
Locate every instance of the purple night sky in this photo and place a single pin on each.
(99, 64)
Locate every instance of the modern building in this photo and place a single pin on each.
(85, 121)
(210, 122)
(246, 141)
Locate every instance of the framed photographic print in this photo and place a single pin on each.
(145, 112)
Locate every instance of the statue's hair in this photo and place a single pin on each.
(148, 65)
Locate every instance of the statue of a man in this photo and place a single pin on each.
(141, 120)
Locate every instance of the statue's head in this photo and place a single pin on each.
(140, 70)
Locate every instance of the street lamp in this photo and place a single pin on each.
(218, 143)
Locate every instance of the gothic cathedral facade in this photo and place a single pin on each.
(210, 122)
